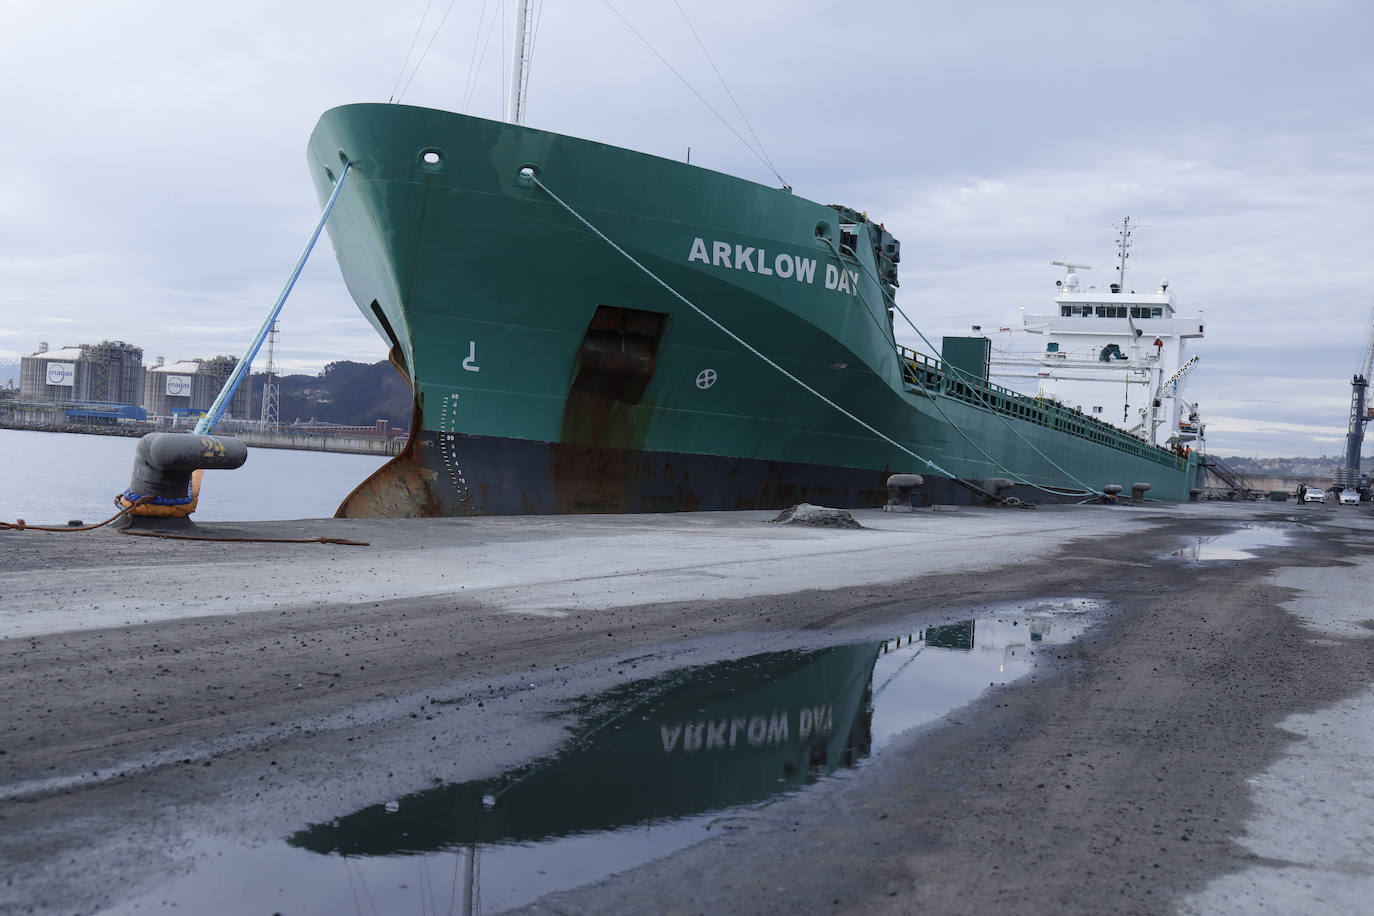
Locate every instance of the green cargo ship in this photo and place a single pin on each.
(559, 368)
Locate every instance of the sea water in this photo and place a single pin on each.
(48, 478)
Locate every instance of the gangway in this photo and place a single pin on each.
(1228, 475)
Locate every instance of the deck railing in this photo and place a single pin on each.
(932, 375)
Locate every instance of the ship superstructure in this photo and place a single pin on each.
(1114, 353)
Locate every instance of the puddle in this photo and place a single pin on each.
(1238, 545)
(657, 765)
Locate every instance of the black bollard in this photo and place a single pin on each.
(899, 487)
(995, 486)
(164, 462)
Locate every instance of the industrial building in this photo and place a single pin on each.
(92, 382)
(188, 387)
(107, 383)
(110, 372)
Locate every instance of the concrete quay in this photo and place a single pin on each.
(174, 709)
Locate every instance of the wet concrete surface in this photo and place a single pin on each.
(160, 765)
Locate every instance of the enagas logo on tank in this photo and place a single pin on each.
(61, 374)
(178, 386)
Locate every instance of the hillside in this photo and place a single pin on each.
(344, 393)
(1291, 467)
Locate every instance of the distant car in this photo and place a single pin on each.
(1314, 495)
(1349, 497)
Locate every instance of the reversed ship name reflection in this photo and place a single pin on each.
(723, 734)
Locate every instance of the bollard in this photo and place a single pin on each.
(994, 486)
(164, 463)
(1193, 494)
(899, 487)
(1111, 491)
(1138, 493)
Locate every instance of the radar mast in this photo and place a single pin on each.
(1123, 244)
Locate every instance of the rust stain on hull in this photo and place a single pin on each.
(593, 465)
(404, 487)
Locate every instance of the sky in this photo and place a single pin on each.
(154, 186)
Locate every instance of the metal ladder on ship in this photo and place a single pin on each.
(1233, 479)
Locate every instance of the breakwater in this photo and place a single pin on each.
(288, 439)
(350, 445)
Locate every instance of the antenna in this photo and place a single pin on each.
(1123, 244)
(268, 417)
(1068, 266)
(520, 66)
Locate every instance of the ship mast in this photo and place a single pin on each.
(1123, 242)
(520, 66)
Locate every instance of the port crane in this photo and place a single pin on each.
(1349, 475)
(1188, 428)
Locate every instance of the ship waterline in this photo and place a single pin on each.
(552, 374)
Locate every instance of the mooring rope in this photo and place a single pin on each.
(972, 383)
(21, 525)
(207, 422)
(241, 540)
(885, 332)
(530, 174)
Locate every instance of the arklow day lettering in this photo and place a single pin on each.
(783, 265)
(755, 731)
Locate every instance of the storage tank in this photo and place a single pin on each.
(110, 372)
(188, 387)
(50, 375)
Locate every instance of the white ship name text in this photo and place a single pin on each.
(784, 265)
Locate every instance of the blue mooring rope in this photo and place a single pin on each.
(207, 423)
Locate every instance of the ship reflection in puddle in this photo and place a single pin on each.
(658, 766)
(1238, 545)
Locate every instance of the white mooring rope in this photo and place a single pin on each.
(529, 174)
(973, 383)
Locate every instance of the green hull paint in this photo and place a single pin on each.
(461, 261)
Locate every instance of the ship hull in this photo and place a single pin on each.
(553, 373)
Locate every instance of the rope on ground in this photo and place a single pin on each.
(240, 540)
(21, 525)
